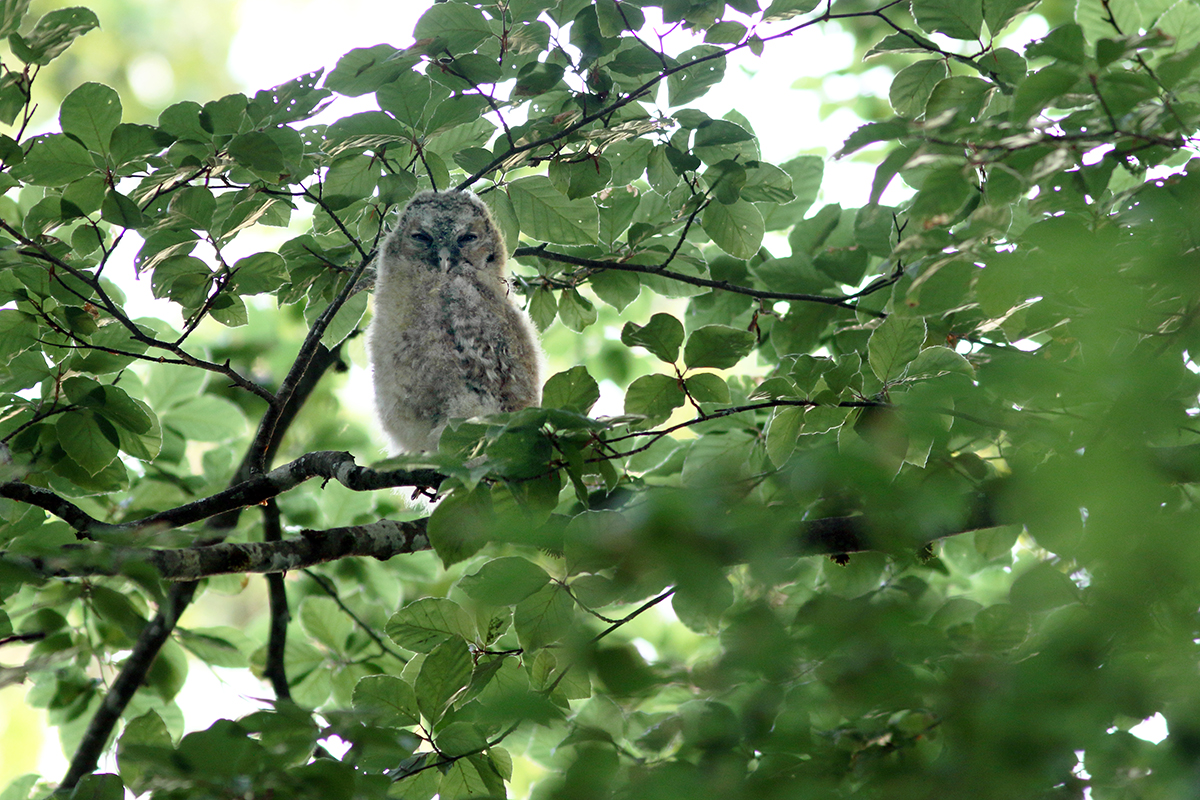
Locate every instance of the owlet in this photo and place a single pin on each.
(445, 340)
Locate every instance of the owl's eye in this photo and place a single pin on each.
(467, 237)
(423, 237)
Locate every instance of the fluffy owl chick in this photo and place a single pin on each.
(445, 340)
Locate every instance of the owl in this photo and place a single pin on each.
(446, 341)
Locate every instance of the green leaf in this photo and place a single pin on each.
(544, 617)
(424, 624)
(196, 204)
(52, 34)
(705, 387)
(577, 179)
(90, 113)
(111, 402)
(461, 524)
(1182, 23)
(907, 42)
(783, 431)
(655, 397)
(894, 344)
(943, 192)
(822, 419)
(725, 33)
(12, 12)
(662, 336)
(120, 210)
(206, 418)
(786, 9)
(90, 441)
(504, 581)
(1003, 66)
(738, 228)
(548, 216)
(964, 95)
(998, 13)
(767, 183)
(694, 81)
(537, 78)
(445, 671)
(726, 179)
(460, 26)
(716, 458)
(1103, 18)
(258, 152)
(574, 390)
(99, 786)
(575, 310)
(258, 273)
(1064, 43)
(407, 98)
(350, 178)
(388, 699)
(616, 287)
(933, 362)
(959, 19)
(543, 308)
(614, 20)
(912, 86)
(56, 159)
(217, 647)
(717, 346)
(344, 322)
(873, 132)
(1038, 90)
(366, 69)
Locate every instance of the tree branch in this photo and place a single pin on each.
(381, 540)
(540, 251)
(275, 670)
(327, 464)
(128, 680)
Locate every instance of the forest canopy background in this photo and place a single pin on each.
(911, 471)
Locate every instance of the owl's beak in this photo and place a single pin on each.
(445, 259)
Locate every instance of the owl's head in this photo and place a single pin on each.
(449, 231)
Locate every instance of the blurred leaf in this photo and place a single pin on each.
(504, 581)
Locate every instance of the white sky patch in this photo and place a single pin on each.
(280, 39)
(1152, 730)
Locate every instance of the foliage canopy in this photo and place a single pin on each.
(915, 479)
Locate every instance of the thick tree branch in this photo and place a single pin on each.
(310, 364)
(327, 464)
(387, 538)
(381, 540)
(275, 669)
(128, 680)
